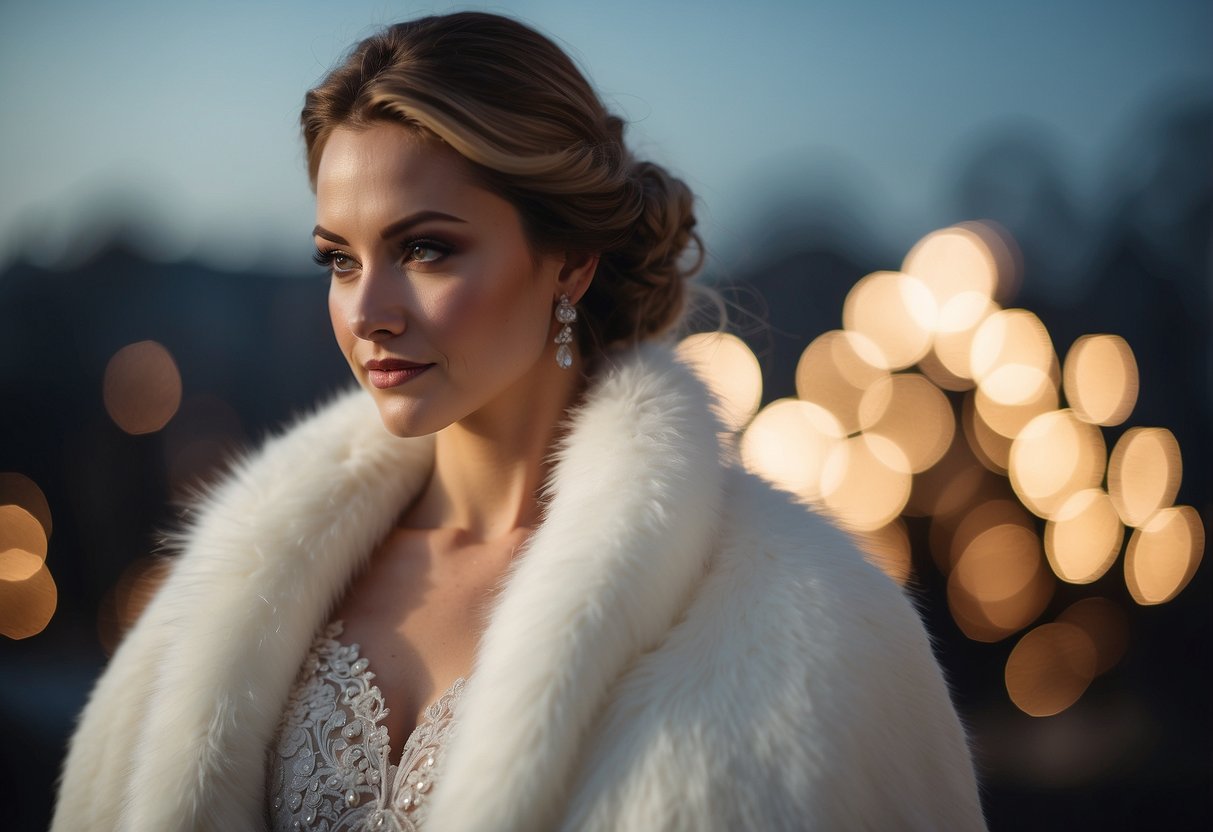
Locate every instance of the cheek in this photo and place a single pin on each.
(487, 318)
(339, 321)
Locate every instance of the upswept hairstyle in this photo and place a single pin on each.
(517, 109)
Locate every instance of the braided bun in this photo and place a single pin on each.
(641, 287)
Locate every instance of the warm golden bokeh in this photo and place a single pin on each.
(788, 443)
(951, 485)
(28, 595)
(21, 530)
(999, 584)
(943, 378)
(992, 449)
(1050, 668)
(17, 565)
(888, 549)
(19, 490)
(1107, 626)
(834, 372)
(1163, 554)
(1144, 472)
(865, 482)
(998, 563)
(730, 370)
(1004, 253)
(1012, 357)
(1054, 457)
(911, 412)
(896, 312)
(1083, 537)
(993, 621)
(952, 261)
(959, 536)
(1008, 420)
(142, 387)
(955, 326)
(1100, 379)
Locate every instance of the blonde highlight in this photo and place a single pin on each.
(532, 129)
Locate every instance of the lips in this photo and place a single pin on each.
(392, 372)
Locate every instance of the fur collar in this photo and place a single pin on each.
(632, 509)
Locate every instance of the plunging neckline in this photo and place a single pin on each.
(431, 714)
(333, 759)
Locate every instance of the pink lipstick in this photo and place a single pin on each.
(392, 372)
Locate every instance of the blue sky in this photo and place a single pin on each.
(186, 113)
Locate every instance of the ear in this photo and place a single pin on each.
(576, 274)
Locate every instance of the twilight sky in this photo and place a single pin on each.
(181, 118)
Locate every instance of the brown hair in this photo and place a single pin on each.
(517, 109)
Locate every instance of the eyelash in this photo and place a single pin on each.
(325, 257)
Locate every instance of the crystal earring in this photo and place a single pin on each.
(566, 313)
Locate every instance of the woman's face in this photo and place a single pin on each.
(437, 301)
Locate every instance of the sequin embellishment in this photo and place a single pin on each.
(329, 766)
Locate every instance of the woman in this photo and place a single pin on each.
(521, 546)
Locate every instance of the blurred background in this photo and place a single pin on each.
(969, 249)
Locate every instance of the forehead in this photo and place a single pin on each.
(387, 168)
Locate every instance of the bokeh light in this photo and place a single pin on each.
(1144, 471)
(788, 442)
(21, 530)
(729, 369)
(991, 448)
(999, 584)
(873, 438)
(953, 261)
(1083, 537)
(1007, 420)
(959, 536)
(28, 595)
(1012, 357)
(142, 387)
(1100, 379)
(1163, 554)
(956, 325)
(896, 312)
(911, 412)
(834, 372)
(19, 490)
(865, 482)
(1054, 457)
(1050, 668)
(951, 485)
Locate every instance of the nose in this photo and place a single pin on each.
(377, 312)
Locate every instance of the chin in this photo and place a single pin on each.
(408, 418)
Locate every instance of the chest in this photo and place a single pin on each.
(417, 611)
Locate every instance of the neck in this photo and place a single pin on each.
(490, 466)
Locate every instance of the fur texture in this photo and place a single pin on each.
(679, 647)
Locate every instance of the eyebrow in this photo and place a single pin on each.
(393, 230)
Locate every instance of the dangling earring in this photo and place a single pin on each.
(566, 313)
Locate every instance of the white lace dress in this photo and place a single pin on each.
(330, 764)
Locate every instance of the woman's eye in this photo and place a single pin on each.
(424, 252)
(337, 262)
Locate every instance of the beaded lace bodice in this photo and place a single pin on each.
(330, 764)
